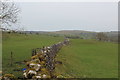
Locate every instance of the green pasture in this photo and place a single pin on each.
(21, 45)
(88, 59)
(80, 59)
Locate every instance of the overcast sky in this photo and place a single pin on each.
(52, 16)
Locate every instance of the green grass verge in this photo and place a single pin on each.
(88, 58)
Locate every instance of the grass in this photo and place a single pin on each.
(82, 58)
(21, 46)
(88, 58)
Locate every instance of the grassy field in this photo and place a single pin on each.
(88, 58)
(82, 58)
(21, 46)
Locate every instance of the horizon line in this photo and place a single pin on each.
(69, 30)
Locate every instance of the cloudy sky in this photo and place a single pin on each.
(52, 16)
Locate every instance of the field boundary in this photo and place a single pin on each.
(42, 62)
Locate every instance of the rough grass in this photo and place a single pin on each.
(88, 58)
(21, 46)
(82, 58)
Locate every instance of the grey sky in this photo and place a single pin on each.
(52, 16)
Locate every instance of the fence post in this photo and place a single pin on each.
(32, 52)
(11, 60)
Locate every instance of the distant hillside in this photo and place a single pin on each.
(72, 31)
(77, 34)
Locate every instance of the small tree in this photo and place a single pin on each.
(101, 36)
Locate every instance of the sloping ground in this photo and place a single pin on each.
(21, 45)
(78, 33)
(88, 58)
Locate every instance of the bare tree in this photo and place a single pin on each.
(8, 14)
